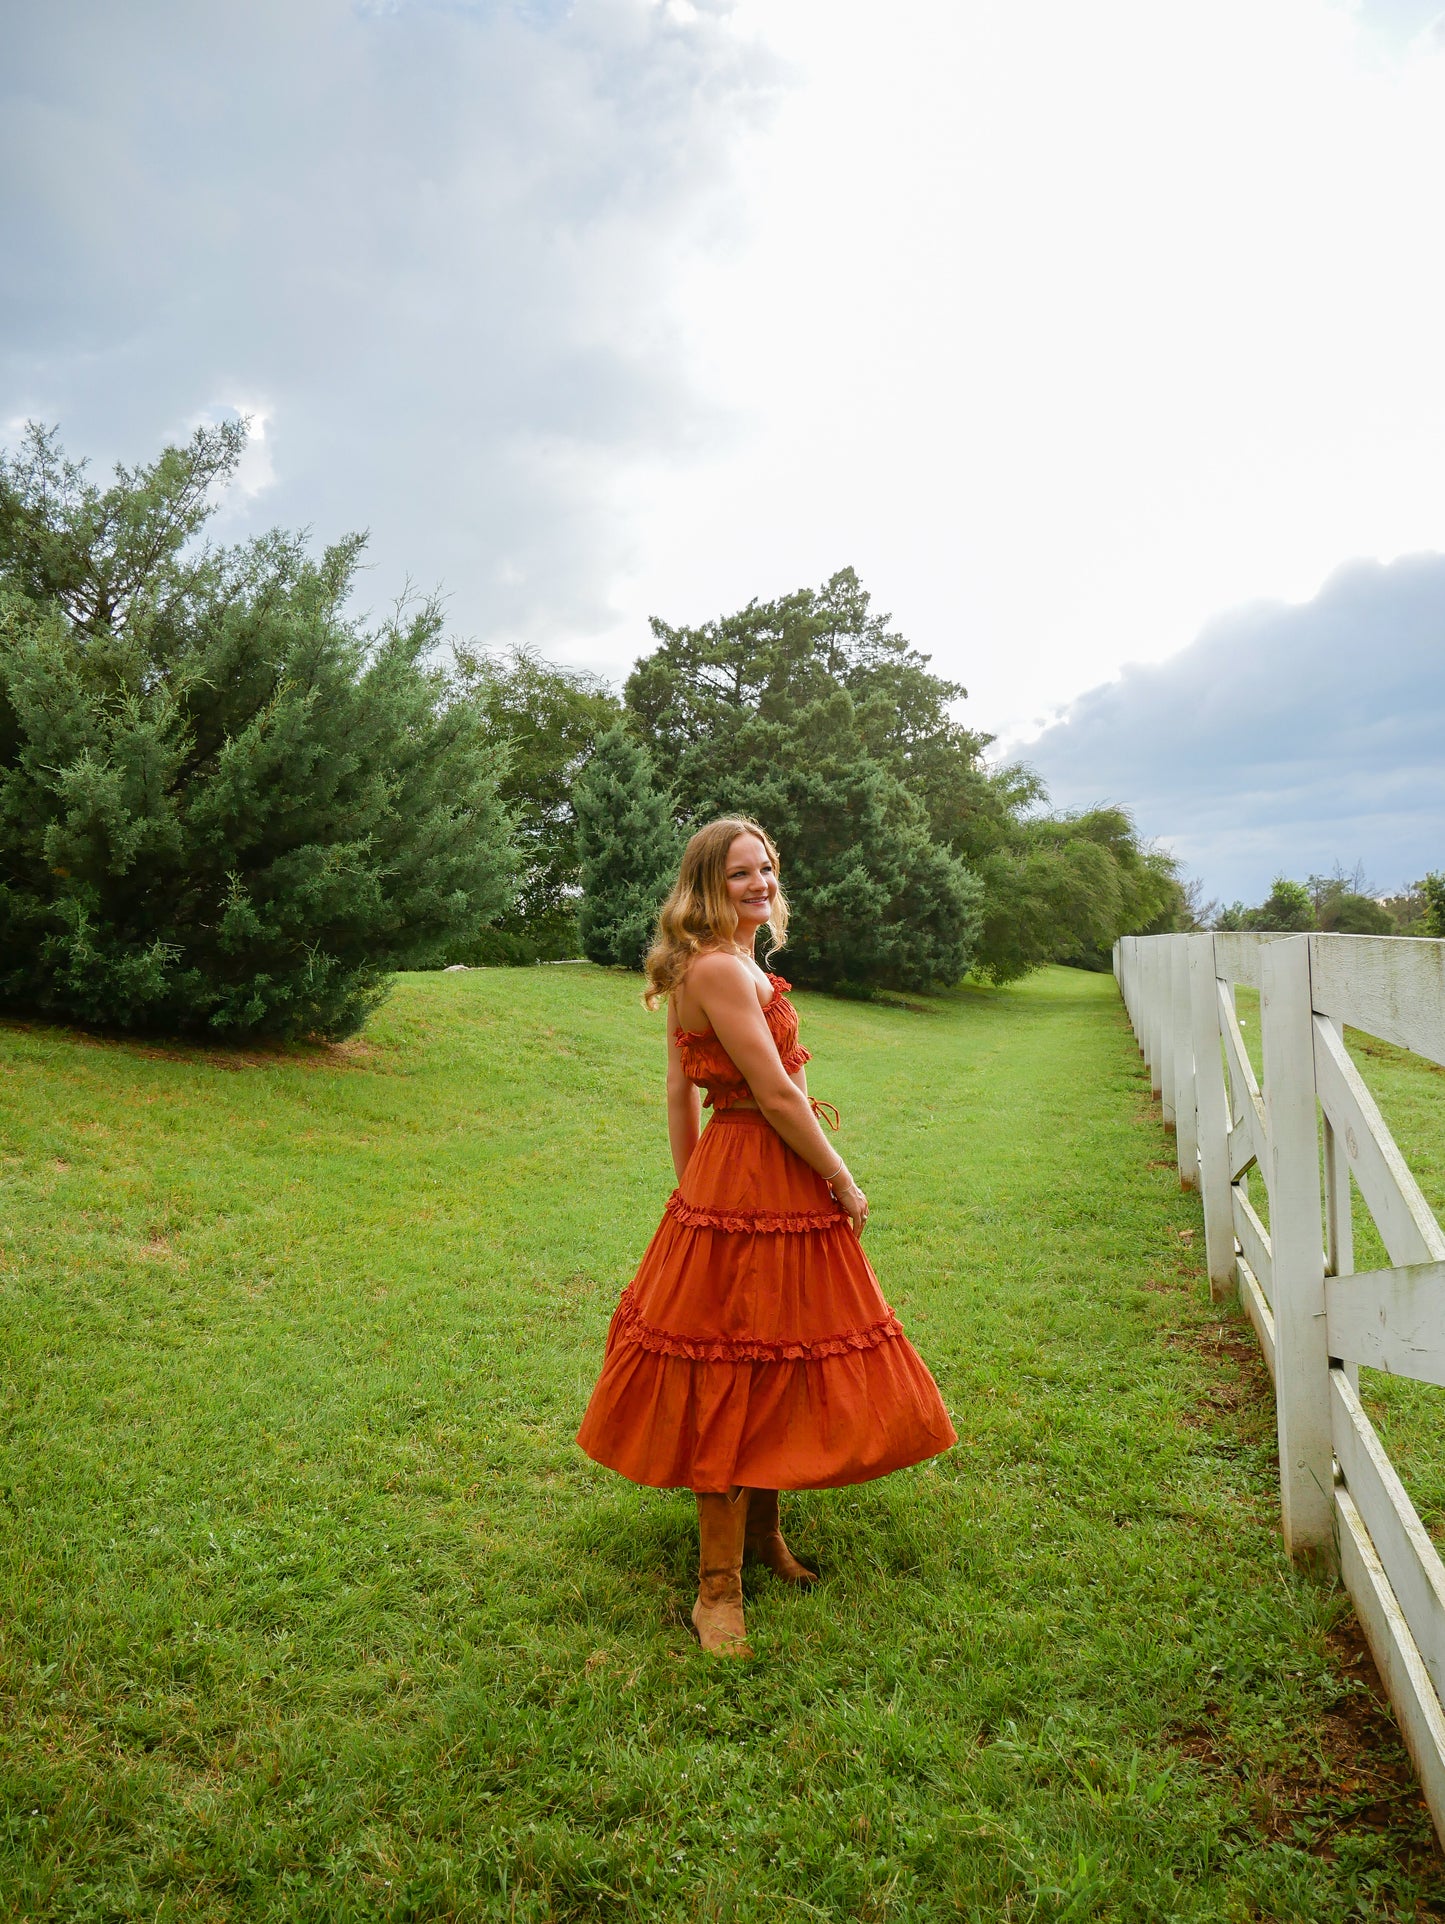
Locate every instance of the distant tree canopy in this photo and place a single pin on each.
(550, 719)
(908, 860)
(1287, 907)
(1338, 903)
(225, 807)
(1064, 888)
(1345, 911)
(228, 808)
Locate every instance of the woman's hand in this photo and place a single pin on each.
(851, 1199)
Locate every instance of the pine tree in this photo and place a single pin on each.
(810, 715)
(908, 860)
(224, 807)
(628, 846)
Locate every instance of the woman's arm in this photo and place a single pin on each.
(723, 985)
(684, 1106)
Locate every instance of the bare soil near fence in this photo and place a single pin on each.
(310, 1608)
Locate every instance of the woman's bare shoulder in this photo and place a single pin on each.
(716, 976)
(713, 979)
(715, 966)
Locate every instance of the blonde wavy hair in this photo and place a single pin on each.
(698, 914)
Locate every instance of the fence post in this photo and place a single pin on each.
(1166, 1029)
(1186, 1143)
(1122, 972)
(1149, 987)
(1302, 1361)
(1212, 1114)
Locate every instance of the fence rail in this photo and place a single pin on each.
(1309, 1135)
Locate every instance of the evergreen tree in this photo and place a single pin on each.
(224, 807)
(550, 719)
(876, 900)
(628, 848)
(810, 714)
(1347, 912)
(907, 858)
(1348, 905)
(1433, 889)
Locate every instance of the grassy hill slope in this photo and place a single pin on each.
(310, 1608)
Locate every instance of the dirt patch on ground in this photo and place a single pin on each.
(354, 1054)
(1353, 1776)
(1358, 1778)
(1366, 1776)
(1246, 1390)
(1370, 1045)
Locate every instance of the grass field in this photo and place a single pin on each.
(310, 1609)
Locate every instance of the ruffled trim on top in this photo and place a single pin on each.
(775, 1007)
(744, 1221)
(706, 1062)
(630, 1326)
(781, 986)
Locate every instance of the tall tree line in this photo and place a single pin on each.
(909, 859)
(1342, 903)
(228, 807)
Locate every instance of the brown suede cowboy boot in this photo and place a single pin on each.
(764, 1540)
(717, 1615)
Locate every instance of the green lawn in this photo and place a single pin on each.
(312, 1610)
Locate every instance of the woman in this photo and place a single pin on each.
(753, 1351)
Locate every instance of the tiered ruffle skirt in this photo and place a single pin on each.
(753, 1345)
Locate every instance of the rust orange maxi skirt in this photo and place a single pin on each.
(754, 1345)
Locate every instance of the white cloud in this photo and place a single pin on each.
(256, 470)
(1065, 325)
(438, 240)
(1283, 739)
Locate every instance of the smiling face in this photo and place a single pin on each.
(751, 883)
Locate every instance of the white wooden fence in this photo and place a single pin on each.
(1306, 1135)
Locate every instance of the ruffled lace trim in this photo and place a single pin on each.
(777, 1006)
(745, 1221)
(729, 1349)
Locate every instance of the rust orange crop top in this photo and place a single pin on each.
(706, 1062)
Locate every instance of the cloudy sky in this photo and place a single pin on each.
(1072, 328)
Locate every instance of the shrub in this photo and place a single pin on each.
(496, 948)
(224, 807)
